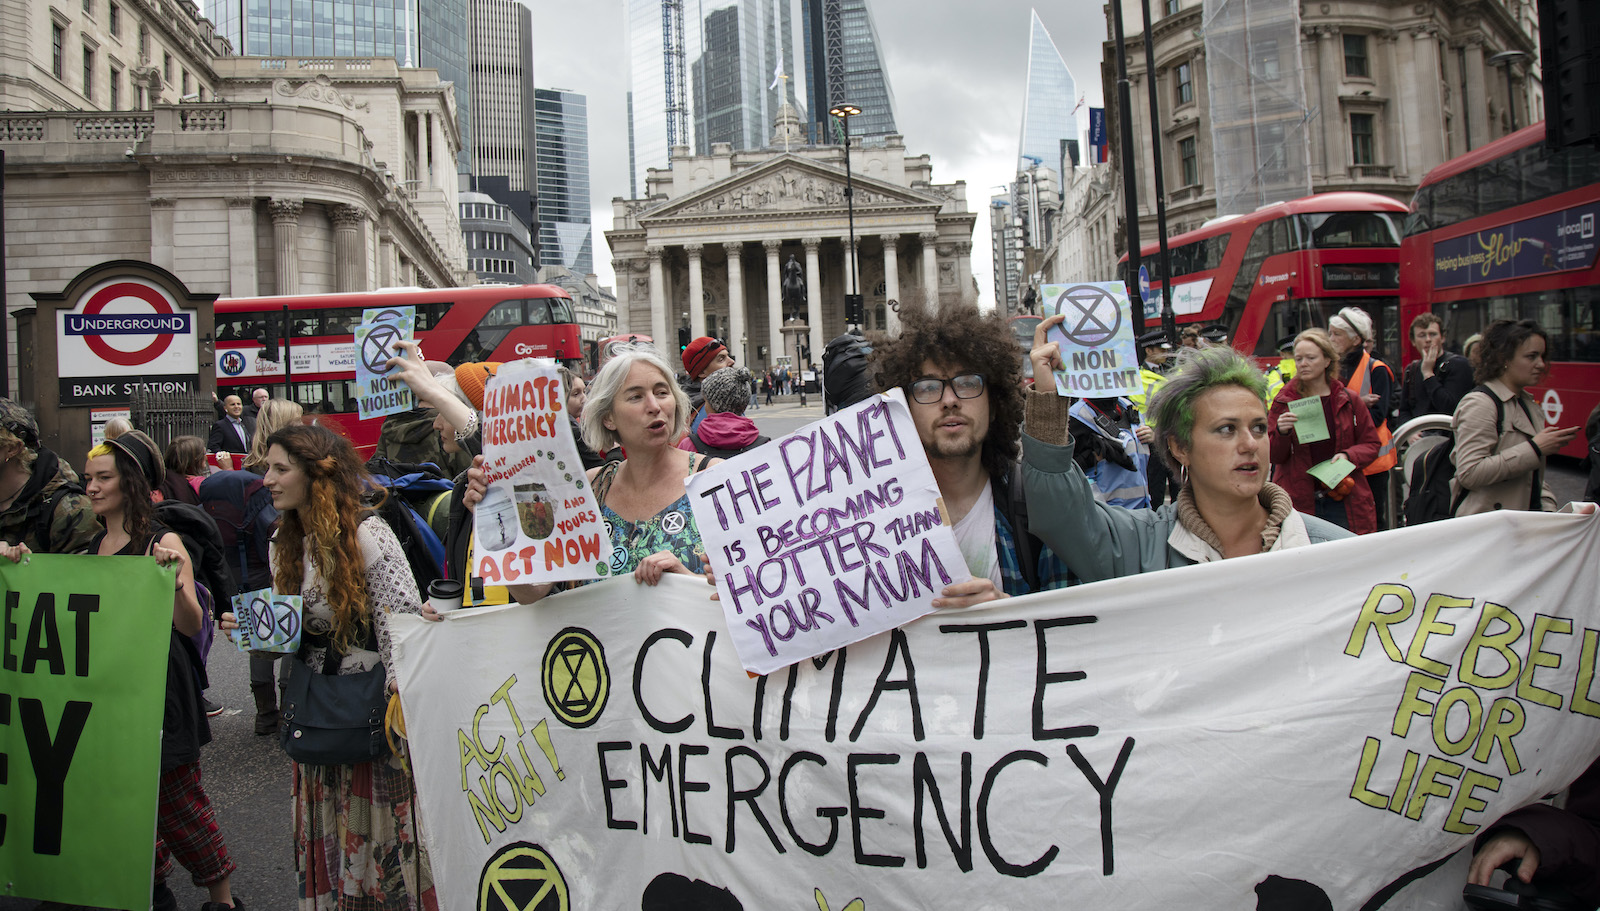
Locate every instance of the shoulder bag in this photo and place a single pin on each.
(331, 718)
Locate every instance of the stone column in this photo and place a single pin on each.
(736, 338)
(386, 259)
(349, 270)
(964, 270)
(163, 211)
(697, 291)
(285, 233)
(1394, 117)
(891, 283)
(623, 270)
(813, 298)
(930, 266)
(774, 300)
(658, 307)
(242, 275)
(1330, 72)
(1480, 130)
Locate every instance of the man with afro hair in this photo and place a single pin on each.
(961, 372)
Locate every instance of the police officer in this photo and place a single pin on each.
(1153, 370)
(1283, 371)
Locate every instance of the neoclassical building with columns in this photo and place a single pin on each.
(709, 245)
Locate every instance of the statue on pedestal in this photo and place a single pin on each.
(794, 289)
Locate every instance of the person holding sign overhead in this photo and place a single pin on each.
(1322, 435)
(1211, 426)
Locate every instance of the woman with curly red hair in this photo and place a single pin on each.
(355, 831)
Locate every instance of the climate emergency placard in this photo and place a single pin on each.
(1098, 357)
(1161, 741)
(824, 537)
(83, 669)
(538, 521)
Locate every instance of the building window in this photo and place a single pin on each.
(1264, 59)
(185, 82)
(1189, 161)
(1185, 80)
(1172, 7)
(88, 7)
(166, 68)
(144, 42)
(115, 96)
(1363, 150)
(58, 37)
(1355, 57)
(114, 19)
(88, 74)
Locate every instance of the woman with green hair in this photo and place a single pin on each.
(1211, 428)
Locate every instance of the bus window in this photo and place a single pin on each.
(500, 320)
(428, 315)
(1348, 229)
(538, 312)
(234, 328)
(561, 310)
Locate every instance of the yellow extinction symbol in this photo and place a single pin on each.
(522, 877)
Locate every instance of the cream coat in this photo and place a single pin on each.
(1497, 472)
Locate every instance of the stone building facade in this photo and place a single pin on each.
(1391, 90)
(302, 176)
(708, 245)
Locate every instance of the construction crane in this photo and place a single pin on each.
(675, 69)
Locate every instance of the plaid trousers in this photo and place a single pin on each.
(186, 829)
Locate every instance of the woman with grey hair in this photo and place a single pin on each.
(1211, 428)
(635, 404)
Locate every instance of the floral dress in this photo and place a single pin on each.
(673, 528)
(357, 844)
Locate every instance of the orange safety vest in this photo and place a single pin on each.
(1361, 382)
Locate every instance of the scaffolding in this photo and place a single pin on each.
(675, 70)
(1259, 119)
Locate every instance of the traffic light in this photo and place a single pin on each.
(267, 337)
(855, 309)
(683, 339)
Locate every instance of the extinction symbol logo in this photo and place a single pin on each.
(1092, 313)
(261, 619)
(576, 678)
(522, 877)
(378, 347)
(673, 522)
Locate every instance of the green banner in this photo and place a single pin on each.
(83, 659)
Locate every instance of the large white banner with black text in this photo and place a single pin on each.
(1328, 721)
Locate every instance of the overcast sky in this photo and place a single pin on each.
(958, 69)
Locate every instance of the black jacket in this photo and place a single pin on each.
(1438, 394)
(223, 438)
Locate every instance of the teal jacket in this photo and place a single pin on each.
(1098, 541)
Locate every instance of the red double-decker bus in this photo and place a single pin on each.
(455, 325)
(1286, 267)
(1507, 231)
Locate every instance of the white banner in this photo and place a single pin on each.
(1326, 721)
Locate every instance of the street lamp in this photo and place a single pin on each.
(1508, 59)
(853, 307)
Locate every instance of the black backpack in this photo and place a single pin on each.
(240, 504)
(410, 493)
(204, 543)
(1430, 499)
(844, 372)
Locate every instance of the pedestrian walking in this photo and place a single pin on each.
(356, 840)
(726, 431)
(1501, 438)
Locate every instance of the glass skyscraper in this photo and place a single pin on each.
(720, 89)
(843, 64)
(561, 132)
(431, 34)
(1047, 116)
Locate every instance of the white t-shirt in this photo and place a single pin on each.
(976, 538)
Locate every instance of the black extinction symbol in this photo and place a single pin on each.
(576, 678)
(1092, 313)
(522, 877)
(379, 347)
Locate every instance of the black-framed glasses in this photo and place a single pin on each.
(930, 389)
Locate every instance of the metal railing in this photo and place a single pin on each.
(1403, 437)
(166, 416)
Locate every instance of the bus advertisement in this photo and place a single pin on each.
(1507, 231)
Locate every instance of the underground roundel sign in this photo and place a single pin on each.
(122, 334)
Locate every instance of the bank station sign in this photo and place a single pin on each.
(123, 335)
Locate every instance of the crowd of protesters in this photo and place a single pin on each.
(1204, 463)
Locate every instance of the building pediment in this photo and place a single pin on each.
(787, 185)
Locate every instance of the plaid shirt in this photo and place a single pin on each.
(1053, 574)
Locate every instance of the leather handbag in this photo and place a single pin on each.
(331, 718)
